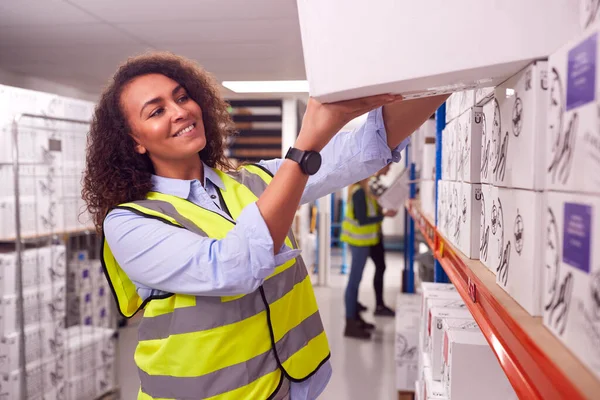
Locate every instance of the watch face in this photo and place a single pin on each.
(312, 162)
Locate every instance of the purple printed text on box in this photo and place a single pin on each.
(577, 236)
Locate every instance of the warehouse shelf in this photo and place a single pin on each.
(537, 364)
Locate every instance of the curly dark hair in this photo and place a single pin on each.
(115, 173)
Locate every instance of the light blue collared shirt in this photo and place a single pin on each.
(159, 258)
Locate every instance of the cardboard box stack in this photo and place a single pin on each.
(453, 352)
(571, 220)
(459, 196)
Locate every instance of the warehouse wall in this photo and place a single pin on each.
(10, 78)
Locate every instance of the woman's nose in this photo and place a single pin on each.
(179, 112)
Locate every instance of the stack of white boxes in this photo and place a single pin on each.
(456, 361)
(460, 189)
(427, 168)
(51, 158)
(406, 343)
(90, 356)
(44, 302)
(571, 220)
(89, 300)
(512, 176)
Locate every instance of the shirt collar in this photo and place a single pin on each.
(181, 187)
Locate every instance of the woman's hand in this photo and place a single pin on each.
(322, 121)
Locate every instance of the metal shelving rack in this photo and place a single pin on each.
(536, 363)
(81, 236)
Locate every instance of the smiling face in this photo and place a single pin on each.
(164, 121)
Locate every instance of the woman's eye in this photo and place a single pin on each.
(183, 99)
(156, 112)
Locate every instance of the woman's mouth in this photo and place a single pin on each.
(185, 131)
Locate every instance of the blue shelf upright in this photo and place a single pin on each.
(408, 281)
(439, 275)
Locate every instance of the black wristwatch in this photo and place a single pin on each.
(310, 161)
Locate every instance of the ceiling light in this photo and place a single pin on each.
(267, 86)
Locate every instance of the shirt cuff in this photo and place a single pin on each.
(390, 155)
(260, 243)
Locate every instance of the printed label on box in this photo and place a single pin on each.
(581, 73)
(577, 236)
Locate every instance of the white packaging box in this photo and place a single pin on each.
(53, 336)
(517, 161)
(9, 317)
(455, 213)
(458, 103)
(52, 264)
(10, 346)
(490, 128)
(469, 222)
(336, 71)
(433, 390)
(427, 192)
(573, 138)
(418, 390)
(81, 387)
(500, 229)
(483, 95)
(572, 275)
(408, 316)
(589, 12)
(54, 370)
(437, 316)
(89, 347)
(449, 153)
(10, 383)
(8, 271)
(106, 379)
(428, 170)
(54, 301)
(430, 287)
(437, 299)
(469, 131)
(520, 273)
(442, 206)
(471, 370)
(486, 236)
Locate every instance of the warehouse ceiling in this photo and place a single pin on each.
(80, 42)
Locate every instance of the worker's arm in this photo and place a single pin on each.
(401, 119)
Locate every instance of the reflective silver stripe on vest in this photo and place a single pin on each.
(235, 376)
(169, 209)
(366, 236)
(211, 312)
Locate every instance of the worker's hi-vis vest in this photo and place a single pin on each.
(222, 348)
(352, 232)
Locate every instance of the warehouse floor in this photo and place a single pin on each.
(361, 370)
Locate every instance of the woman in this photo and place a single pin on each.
(361, 229)
(205, 249)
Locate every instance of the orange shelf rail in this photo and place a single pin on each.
(536, 363)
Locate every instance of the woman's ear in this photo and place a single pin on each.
(140, 149)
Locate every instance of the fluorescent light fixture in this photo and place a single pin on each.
(267, 86)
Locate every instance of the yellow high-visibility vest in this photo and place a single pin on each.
(352, 232)
(222, 348)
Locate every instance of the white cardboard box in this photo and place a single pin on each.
(433, 390)
(520, 273)
(499, 229)
(573, 139)
(437, 316)
(517, 161)
(572, 274)
(589, 12)
(471, 370)
(428, 170)
(470, 215)
(485, 228)
(439, 299)
(490, 128)
(458, 103)
(336, 71)
(469, 131)
(427, 192)
(483, 95)
(449, 152)
(408, 317)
